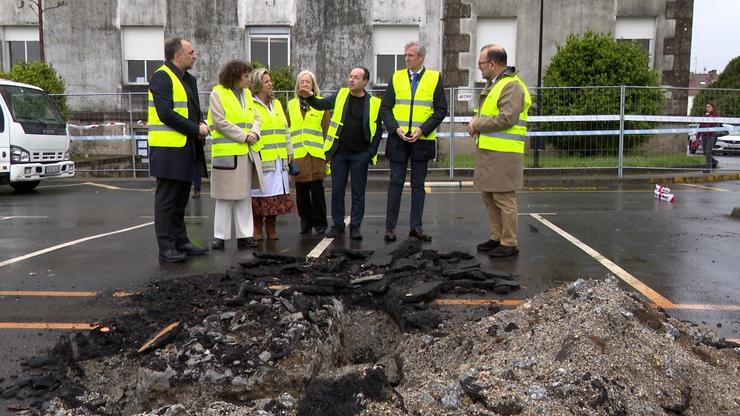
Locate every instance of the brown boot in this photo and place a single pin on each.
(270, 221)
(258, 224)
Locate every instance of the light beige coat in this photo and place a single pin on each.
(234, 184)
(499, 171)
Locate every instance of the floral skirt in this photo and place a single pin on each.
(272, 205)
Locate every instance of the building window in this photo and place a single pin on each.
(21, 44)
(143, 53)
(269, 46)
(640, 30)
(499, 30)
(388, 43)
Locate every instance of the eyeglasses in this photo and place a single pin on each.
(484, 62)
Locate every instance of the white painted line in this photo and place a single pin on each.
(12, 217)
(117, 188)
(537, 213)
(707, 187)
(71, 243)
(654, 296)
(187, 217)
(323, 244)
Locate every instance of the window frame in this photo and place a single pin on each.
(268, 33)
(125, 62)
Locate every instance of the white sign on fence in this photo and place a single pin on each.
(464, 96)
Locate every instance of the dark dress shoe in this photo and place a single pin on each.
(390, 235)
(247, 242)
(320, 229)
(504, 251)
(192, 250)
(217, 244)
(419, 234)
(355, 234)
(305, 228)
(171, 256)
(488, 245)
(196, 194)
(335, 232)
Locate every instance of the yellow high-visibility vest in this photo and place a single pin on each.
(159, 134)
(273, 131)
(337, 119)
(242, 117)
(422, 102)
(306, 134)
(510, 140)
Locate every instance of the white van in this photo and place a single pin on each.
(34, 141)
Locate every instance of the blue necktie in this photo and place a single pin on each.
(414, 82)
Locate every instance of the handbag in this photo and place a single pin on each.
(224, 162)
(293, 169)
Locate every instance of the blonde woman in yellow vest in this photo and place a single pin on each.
(307, 127)
(499, 130)
(236, 166)
(276, 152)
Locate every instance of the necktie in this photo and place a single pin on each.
(414, 82)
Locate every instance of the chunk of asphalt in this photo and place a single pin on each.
(402, 265)
(251, 262)
(382, 256)
(279, 258)
(423, 292)
(495, 274)
(249, 288)
(735, 212)
(365, 279)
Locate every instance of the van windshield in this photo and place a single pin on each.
(31, 105)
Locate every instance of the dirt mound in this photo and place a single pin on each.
(358, 333)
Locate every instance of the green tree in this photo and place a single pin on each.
(726, 102)
(42, 75)
(598, 60)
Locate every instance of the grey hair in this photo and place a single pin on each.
(315, 86)
(419, 48)
(257, 79)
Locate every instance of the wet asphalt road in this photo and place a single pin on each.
(686, 251)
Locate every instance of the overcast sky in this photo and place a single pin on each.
(716, 34)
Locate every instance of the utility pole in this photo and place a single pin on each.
(38, 9)
(538, 141)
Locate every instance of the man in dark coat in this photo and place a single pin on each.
(177, 158)
(413, 106)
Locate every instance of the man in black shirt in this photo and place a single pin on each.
(351, 144)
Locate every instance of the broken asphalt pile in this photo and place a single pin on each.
(359, 333)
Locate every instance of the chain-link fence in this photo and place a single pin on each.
(615, 129)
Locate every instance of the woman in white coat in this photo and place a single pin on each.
(235, 128)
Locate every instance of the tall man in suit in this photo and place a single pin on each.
(176, 134)
(413, 106)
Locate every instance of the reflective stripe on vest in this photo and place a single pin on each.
(273, 131)
(337, 119)
(159, 134)
(419, 107)
(510, 140)
(236, 114)
(306, 133)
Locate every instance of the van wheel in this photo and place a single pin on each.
(23, 187)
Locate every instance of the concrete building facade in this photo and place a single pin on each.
(114, 45)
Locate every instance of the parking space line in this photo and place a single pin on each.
(48, 325)
(707, 187)
(117, 188)
(71, 243)
(323, 244)
(631, 280)
(47, 293)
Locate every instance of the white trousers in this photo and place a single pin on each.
(242, 213)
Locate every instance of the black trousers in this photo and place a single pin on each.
(395, 189)
(170, 200)
(311, 204)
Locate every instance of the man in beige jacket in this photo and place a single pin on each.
(499, 130)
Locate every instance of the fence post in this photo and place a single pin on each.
(620, 169)
(133, 138)
(452, 133)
